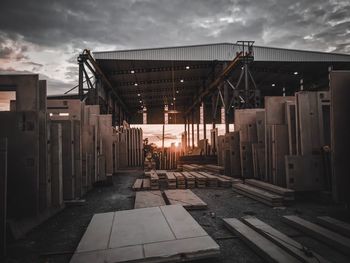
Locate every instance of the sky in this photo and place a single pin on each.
(45, 36)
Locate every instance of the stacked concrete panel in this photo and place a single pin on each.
(276, 138)
(130, 147)
(246, 125)
(55, 154)
(232, 154)
(22, 131)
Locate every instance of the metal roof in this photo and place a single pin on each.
(220, 52)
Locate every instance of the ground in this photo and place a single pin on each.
(56, 239)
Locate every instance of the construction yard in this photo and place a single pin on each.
(57, 238)
(81, 182)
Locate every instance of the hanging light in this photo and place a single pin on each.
(138, 94)
(132, 71)
(187, 67)
(181, 80)
(135, 84)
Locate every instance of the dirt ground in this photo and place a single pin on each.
(56, 239)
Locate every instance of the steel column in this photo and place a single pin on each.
(192, 124)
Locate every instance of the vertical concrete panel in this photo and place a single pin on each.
(56, 164)
(340, 139)
(3, 193)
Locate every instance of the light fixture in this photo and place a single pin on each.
(187, 67)
(177, 92)
(181, 80)
(174, 98)
(135, 84)
(140, 101)
(132, 71)
(138, 94)
(296, 73)
(273, 84)
(171, 104)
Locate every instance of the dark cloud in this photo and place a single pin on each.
(305, 24)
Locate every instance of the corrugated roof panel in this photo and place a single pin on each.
(221, 52)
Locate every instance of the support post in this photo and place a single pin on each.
(81, 78)
(192, 124)
(213, 103)
(198, 120)
(226, 99)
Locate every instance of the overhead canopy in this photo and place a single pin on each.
(154, 77)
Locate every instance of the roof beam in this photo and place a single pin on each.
(223, 75)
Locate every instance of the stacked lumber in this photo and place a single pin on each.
(201, 180)
(190, 180)
(287, 194)
(223, 182)
(259, 195)
(214, 168)
(233, 180)
(154, 180)
(270, 243)
(161, 174)
(146, 184)
(180, 180)
(190, 167)
(212, 180)
(333, 239)
(171, 180)
(137, 185)
(264, 247)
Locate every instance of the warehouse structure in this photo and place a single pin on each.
(289, 110)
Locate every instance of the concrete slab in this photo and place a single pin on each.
(97, 234)
(148, 199)
(196, 247)
(139, 226)
(182, 225)
(186, 198)
(157, 234)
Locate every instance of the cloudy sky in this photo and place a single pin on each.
(45, 36)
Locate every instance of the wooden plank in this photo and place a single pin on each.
(148, 199)
(329, 237)
(336, 225)
(137, 185)
(288, 194)
(186, 198)
(261, 245)
(290, 245)
(259, 194)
